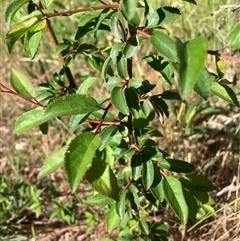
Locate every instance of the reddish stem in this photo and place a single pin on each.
(7, 90)
(74, 11)
(225, 56)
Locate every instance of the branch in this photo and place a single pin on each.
(74, 11)
(225, 56)
(53, 39)
(7, 90)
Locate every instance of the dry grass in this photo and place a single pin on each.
(215, 154)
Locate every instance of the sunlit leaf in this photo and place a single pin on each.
(175, 165)
(119, 101)
(234, 37)
(21, 84)
(29, 120)
(225, 92)
(175, 196)
(192, 57)
(112, 218)
(102, 179)
(79, 156)
(164, 45)
(53, 162)
(71, 105)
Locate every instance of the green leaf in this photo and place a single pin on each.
(76, 120)
(159, 105)
(103, 15)
(115, 52)
(197, 183)
(144, 227)
(105, 68)
(131, 46)
(164, 45)
(136, 165)
(132, 101)
(53, 162)
(201, 196)
(118, 100)
(134, 83)
(163, 67)
(87, 17)
(191, 1)
(224, 92)
(84, 87)
(234, 38)
(29, 120)
(102, 178)
(128, 8)
(203, 83)
(106, 135)
(190, 66)
(12, 10)
(21, 84)
(122, 66)
(71, 105)
(175, 165)
(47, 2)
(162, 15)
(133, 198)
(114, 25)
(147, 173)
(18, 31)
(112, 218)
(96, 62)
(192, 205)
(32, 42)
(120, 206)
(175, 196)
(157, 186)
(99, 200)
(79, 156)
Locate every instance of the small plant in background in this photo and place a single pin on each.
(112, 142)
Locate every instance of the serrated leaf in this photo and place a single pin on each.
(21, 84)
(225, 92)
(99, 200)
(132, 101)
(112, 218)
(103, 15)
(29, 120)
(175, 196)
(114, 25)
(71, 105)
(79, 156)
(122, 66)
(12, 10)
(131, 46)
(147, 173)
(197, 183)
(175, 165)
(119, 101)
(84, 87)
(53, 162)
(106, 135)
(164, 45)
(203, 83)
(234, 38)
(18, 31)
(190, 66)
(102, 178)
